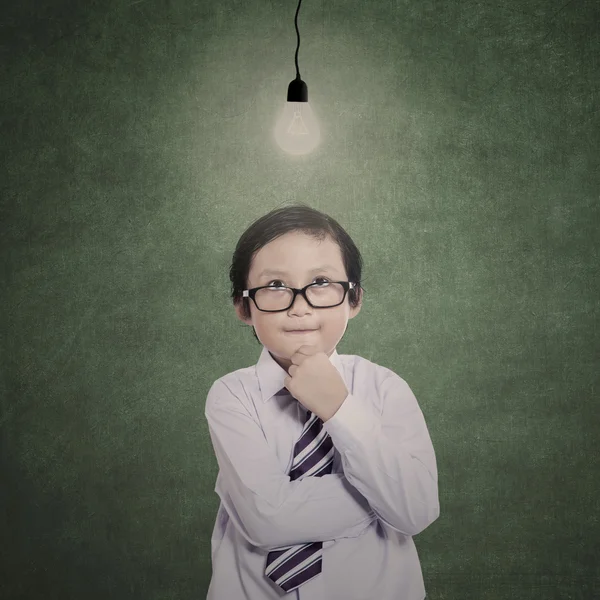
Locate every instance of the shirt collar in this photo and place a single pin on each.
(271, 375)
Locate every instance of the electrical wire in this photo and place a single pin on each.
(298, 34)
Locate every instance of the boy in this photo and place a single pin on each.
(326, 467)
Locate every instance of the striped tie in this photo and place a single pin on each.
(313, 456)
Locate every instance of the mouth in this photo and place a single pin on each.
(300, 331)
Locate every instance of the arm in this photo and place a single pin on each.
(389, 458)
(268, 509)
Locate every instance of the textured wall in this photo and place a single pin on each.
(460, 150)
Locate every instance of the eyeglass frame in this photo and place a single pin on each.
(347, 285)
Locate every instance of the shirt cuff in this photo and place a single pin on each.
(352, 422)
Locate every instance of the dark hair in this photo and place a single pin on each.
(297, 217)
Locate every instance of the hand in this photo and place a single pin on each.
(315, 382)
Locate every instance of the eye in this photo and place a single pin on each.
(323, 278)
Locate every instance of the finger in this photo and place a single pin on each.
(306, 350)
(311, 348)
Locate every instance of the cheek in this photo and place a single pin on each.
(334, 321)
(266, 322)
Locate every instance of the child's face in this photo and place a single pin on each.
(297, 254)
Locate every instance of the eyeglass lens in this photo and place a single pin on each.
(320, 295)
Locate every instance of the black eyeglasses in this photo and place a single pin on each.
(346, 285)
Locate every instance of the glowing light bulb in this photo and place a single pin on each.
(297, 130)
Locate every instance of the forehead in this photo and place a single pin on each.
(284, 272)
(298, 254)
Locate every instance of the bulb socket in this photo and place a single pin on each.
(297, 91)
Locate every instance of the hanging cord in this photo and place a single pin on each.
(298, 34)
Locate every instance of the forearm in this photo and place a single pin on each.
(403, 494)
(392, 464)
(314, 509)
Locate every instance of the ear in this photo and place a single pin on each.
(238, 311)
(354, 311)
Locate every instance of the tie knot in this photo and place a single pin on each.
(284, 391)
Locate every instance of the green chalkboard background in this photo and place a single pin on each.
(460, 151)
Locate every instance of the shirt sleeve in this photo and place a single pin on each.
(268, 509)
(389, 457)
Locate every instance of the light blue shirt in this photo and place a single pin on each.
(382, 492)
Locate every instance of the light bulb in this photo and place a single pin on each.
(297, 130)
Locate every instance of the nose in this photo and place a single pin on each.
(302, 301)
